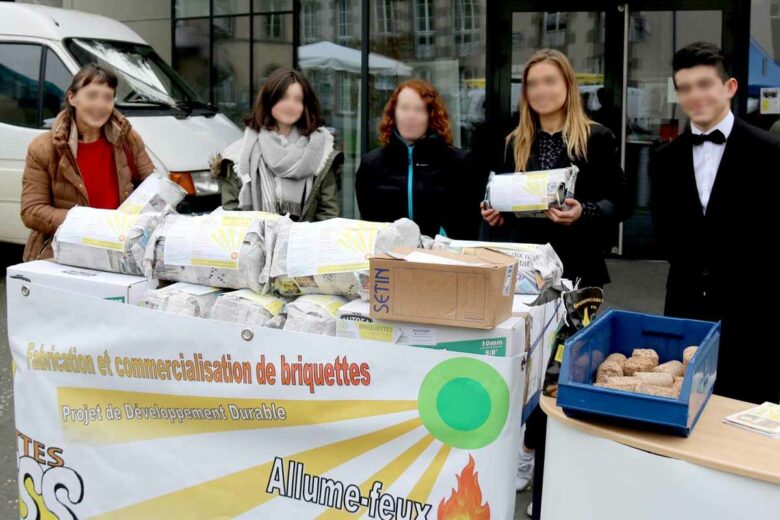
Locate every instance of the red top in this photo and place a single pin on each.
(98, 169)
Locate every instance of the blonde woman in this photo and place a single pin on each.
(555, 132)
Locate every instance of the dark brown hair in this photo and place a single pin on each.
(272, 92)
(90, 73)
(702, 53)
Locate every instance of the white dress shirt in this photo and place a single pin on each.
(706, 159)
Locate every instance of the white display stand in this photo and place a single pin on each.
(607, 472)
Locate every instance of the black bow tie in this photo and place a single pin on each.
(716, 136)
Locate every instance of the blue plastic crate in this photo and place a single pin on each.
(621, 331)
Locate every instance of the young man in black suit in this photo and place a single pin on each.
(712, 198)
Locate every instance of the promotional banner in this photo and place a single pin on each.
(129, 413)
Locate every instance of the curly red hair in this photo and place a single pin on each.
(438, 118)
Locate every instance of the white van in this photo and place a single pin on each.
(41, 48)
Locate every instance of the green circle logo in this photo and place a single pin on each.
(464, 402)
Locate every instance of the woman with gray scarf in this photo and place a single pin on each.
(286, 162)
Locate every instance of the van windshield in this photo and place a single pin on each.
(145, 80)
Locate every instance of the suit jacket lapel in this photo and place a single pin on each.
(687, 175)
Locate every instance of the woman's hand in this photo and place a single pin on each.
(491, 216)
(566, 218)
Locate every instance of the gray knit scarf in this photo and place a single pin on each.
(278, 172)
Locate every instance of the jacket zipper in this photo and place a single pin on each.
(410, 184)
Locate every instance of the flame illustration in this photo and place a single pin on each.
(466, 502)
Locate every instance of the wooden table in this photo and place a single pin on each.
(595, 470)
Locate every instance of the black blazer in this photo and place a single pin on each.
(600, 181)
(718, 262)
(445, 189)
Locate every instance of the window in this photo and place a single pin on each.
(385, 17)
(228, 7)
(347, 102)
(20, 66)
(310, 23)
(344, 29)
(24, 100)
(424, 33)
(145, 80)
(192, 55)
(232, 66)
(466, 27)
(56, 80)
(271, 53)
(554, 30)
(273, 28)
(191, 8)
(639, 29)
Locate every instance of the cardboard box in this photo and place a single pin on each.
(508, 339)
(109, 286)
(442, 288)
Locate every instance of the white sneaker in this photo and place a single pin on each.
(530, 510)
(525, 469)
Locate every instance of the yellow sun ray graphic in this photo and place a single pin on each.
(228, 238)
(534, 189)
(119, 224)
(536, 185)
(422, 489)
(360, 237)
(387, 475)
(245, 488)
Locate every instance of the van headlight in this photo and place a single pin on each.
(196, 183)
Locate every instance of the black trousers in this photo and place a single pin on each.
(535, 439)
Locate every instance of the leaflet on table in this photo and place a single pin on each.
(207, 241)
(102, 228)
(763, 419)
(335, 246)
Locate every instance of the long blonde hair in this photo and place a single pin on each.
(576, 126)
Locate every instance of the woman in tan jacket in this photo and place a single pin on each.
(90, 157)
